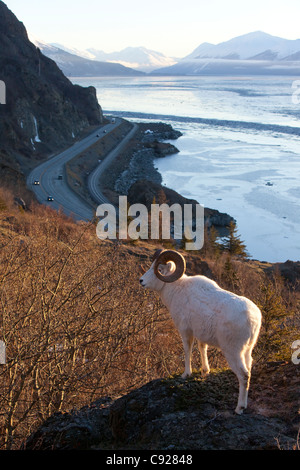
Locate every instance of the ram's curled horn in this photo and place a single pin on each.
(178, 260)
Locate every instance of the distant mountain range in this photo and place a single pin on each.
(94, 62)
(138, 58)
(255, 53)
(75, 65)
(252, 46)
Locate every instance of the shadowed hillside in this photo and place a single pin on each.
(44, 111)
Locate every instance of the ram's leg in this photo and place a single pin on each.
(237, 365)
(204, 359)
(244, 382)
(187, 339)
(248, 358)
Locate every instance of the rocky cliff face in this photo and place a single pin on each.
(44, 111)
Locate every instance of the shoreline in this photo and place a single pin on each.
(138, 160)
(288, 269)
(133, 173)
(148, 145)
(135, 162)
(137, 176)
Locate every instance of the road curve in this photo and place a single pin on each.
(64, 198)
(94, 177)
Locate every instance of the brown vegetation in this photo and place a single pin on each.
(77, 325)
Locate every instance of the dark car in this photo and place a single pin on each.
(36, 182)
(50, 198)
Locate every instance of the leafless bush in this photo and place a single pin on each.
(75, 323)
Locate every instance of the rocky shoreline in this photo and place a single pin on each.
(138, 159)
(135, 175)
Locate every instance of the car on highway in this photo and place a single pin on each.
(50, 198)
(36, 182)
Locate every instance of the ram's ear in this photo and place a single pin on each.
(166, 269)
(142, 269)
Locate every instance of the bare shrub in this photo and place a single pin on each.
(72, 320)
(77, 325)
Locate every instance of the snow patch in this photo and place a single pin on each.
(36, 138)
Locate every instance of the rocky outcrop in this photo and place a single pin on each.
(290, 271)
(139, 160)
(161, 149)
(44, 111)
(158, 131)
(146, 192)
(175, 414)
(140, 166)
(136, 176)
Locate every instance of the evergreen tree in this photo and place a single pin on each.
(277, 331)
(230, 276)
(234, 245)
(214, 245)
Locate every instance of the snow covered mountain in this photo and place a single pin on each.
(74, 65)
(254, 45)
(73, 50)
(256, 53)
(138, 58)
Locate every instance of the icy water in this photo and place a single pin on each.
(239, 153)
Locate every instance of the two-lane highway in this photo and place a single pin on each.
(94, 177)
(51, 181)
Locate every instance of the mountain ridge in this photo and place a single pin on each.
(247, 46)
(128, 61)
(76, 65)
(252, 53)
(140, 58)
(255, 53)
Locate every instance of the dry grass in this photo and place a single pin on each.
(74, 319)
(76, 323)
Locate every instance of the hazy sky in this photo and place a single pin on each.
(173, 27)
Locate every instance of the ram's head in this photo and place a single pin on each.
(167, 266)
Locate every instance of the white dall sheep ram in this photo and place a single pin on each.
(202, 310)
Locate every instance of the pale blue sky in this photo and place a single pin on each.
(173, 27)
